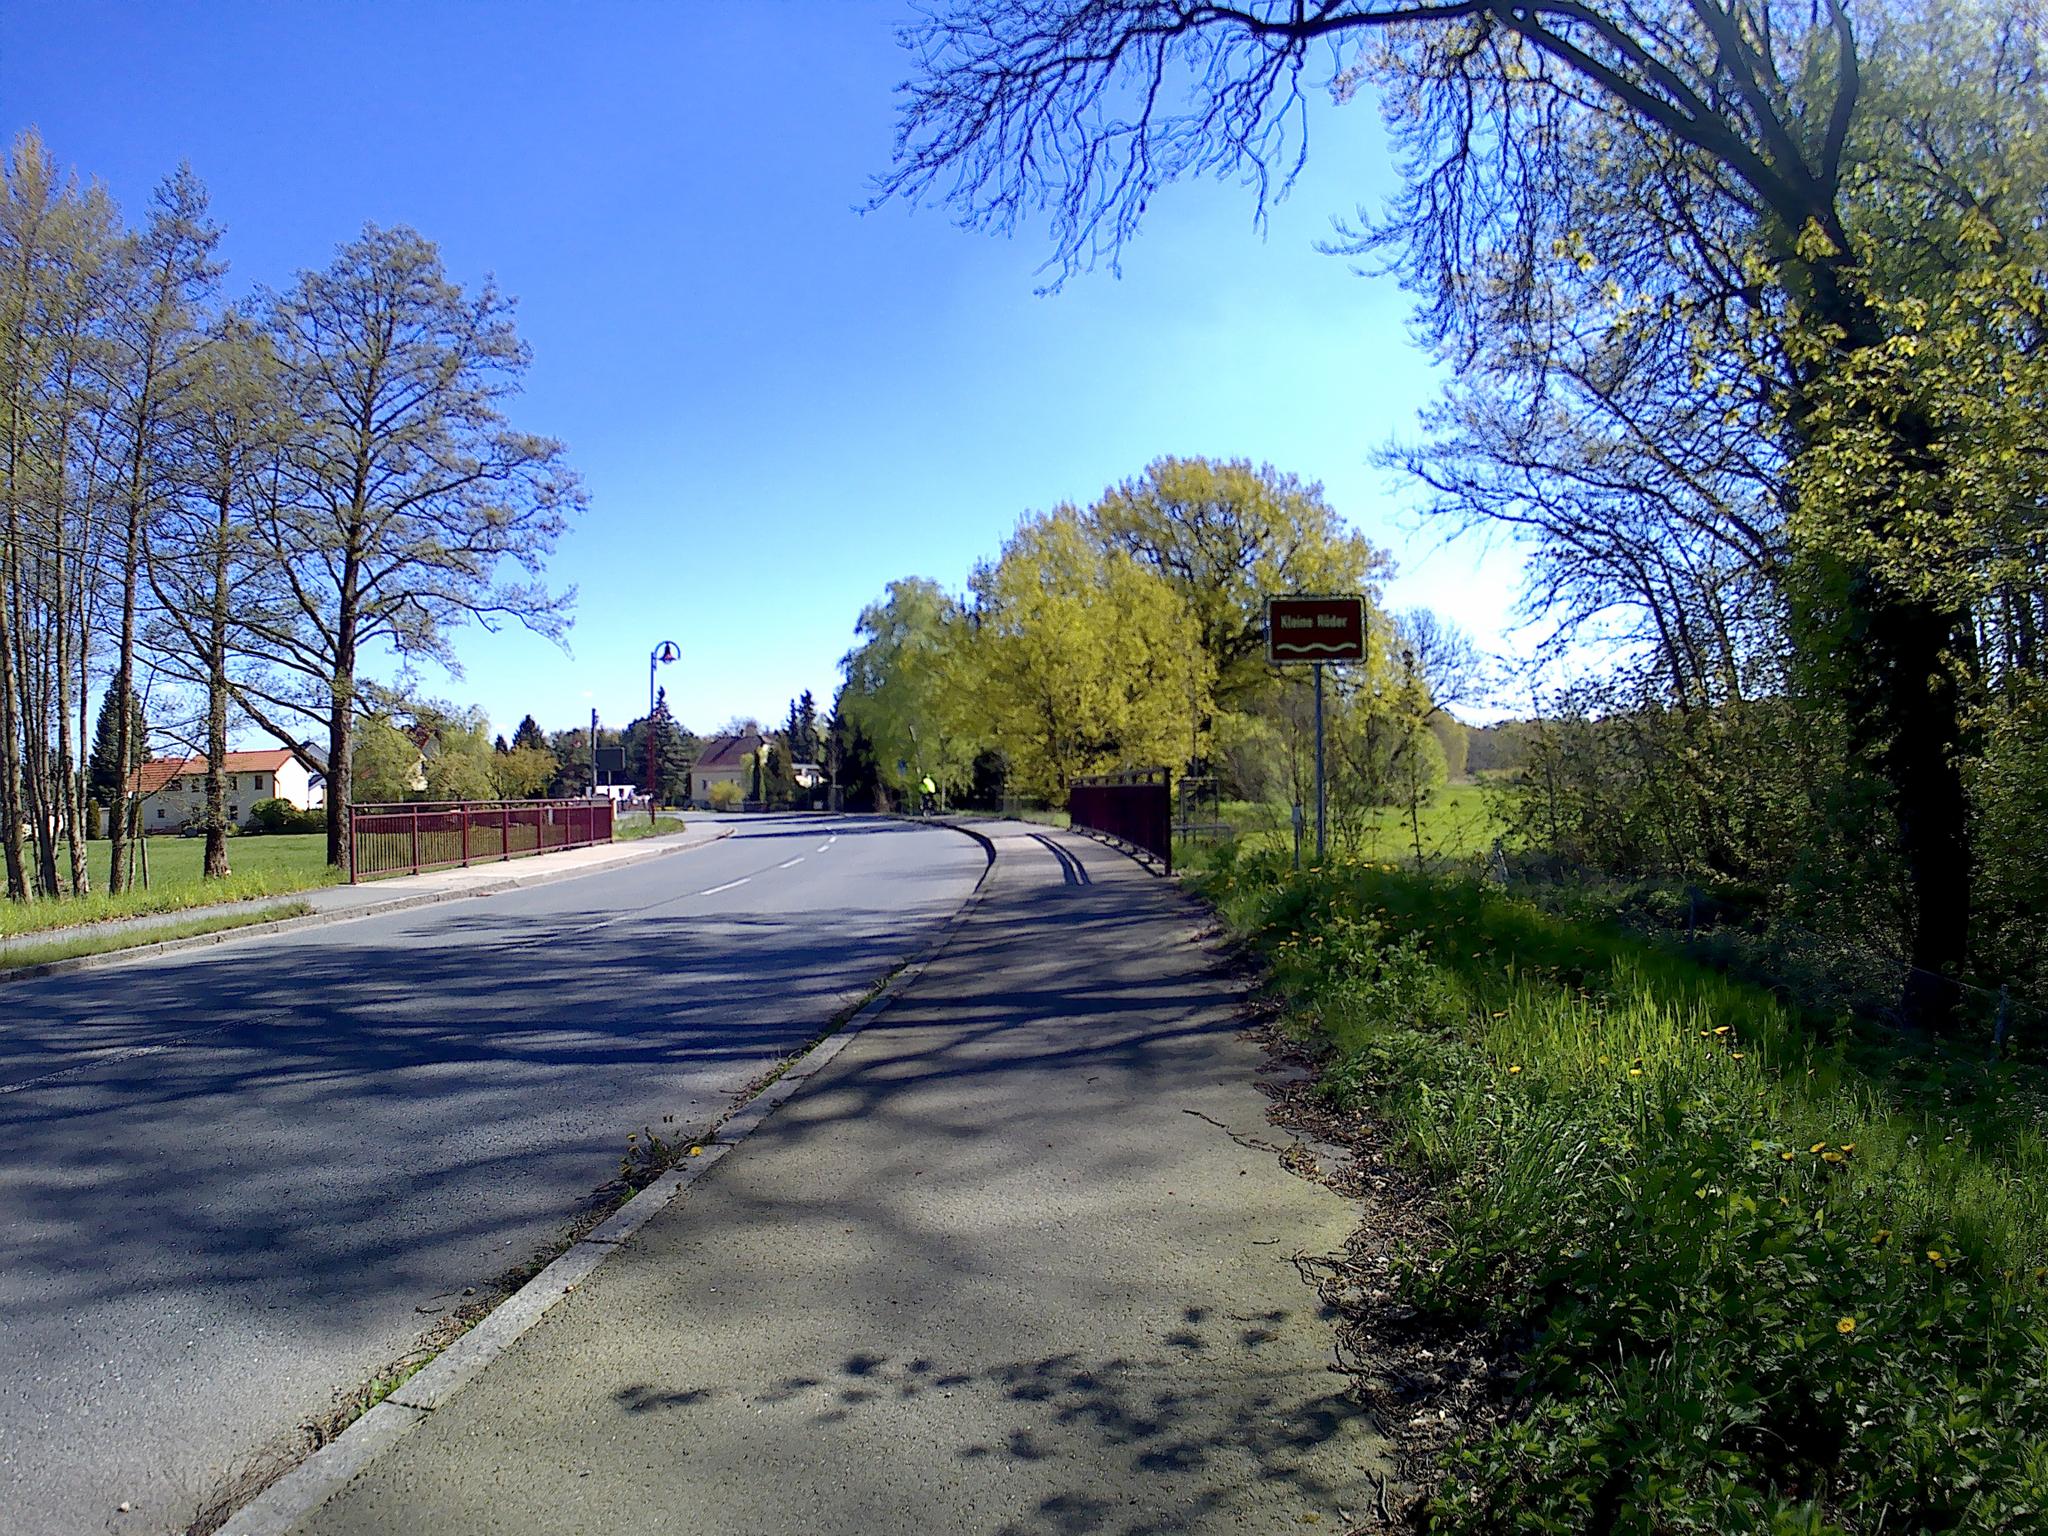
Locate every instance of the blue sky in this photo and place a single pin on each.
(778, 403)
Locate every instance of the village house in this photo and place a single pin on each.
(173, 789)
(725, 760)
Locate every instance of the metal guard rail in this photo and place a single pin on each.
(1134, 806)
(408, 838)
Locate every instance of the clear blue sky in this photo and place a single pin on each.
(778, 403)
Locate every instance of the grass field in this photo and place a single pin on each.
(1456, 823)
(262, 866)
(1752, 1271)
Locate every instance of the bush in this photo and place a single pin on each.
(276, 816)
(726, 796)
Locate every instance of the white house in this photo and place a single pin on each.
(173, 789)
(727, 760)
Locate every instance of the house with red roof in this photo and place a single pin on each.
(173, 789)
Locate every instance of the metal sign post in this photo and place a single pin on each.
(1322, 793)
(1319, 631)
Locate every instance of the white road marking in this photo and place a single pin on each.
(743, 879)
(791, 863)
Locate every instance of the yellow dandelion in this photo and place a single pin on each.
(1735, 1055)
(696, 1151)
(1848, 1146)
(1884, 1235)
(1934, 1257)
(1513, 1070)
(1832, 1157)
(1722, 1029)
(1818, 1146)
(1785, 1156)
(1635, 1071)
(1846, 1325)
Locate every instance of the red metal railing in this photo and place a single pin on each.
(1135, 807)
(405, 839)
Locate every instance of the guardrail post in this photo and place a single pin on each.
(504, 832)
(415, 839)
(463, 812)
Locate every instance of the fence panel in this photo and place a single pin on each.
(406, 839)
(1135, 807)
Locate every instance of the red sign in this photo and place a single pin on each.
(1315, 629)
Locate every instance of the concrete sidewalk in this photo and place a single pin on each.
(399, 890)
(994, 1269)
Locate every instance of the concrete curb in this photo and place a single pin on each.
(151, 950)
(301, 1491)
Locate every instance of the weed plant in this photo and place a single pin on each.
(1760, 1273)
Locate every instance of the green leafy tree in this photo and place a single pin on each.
(388, 766)
(405, 493)
(907, 685)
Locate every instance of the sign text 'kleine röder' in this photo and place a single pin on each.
(1328, 629)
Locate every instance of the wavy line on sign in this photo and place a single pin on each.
(1315, 645)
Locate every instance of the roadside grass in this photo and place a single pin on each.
(628, 828)
(72, 947)
(263, 866)
(1756, 1271)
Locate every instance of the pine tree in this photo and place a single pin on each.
(103, 774)
(529, 734)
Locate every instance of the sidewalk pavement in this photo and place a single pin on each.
(995, 1268)
(402, 890)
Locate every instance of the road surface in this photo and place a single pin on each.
(237, 1181)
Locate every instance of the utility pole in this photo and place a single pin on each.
(593, 754)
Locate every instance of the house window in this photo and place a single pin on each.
(159, 813)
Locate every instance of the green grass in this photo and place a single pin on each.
(1759, 1272)
(1458, 822)
(627, 828)
(263, 866)
(15, 957)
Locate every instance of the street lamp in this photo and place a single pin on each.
(660, 656)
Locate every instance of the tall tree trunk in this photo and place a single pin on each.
(127, 824)
(10, 770)
(217, 692)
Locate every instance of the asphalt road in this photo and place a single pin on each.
(234, 1182)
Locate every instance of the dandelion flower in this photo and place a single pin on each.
(1735, 1055)
(1848, 1146)
(1785, 1157)
(1832, 1157)
(1846, 1325)
(1884, 1235)
(1513, 1070)
(696, 1151)
(1934, 1257)
(1818, 1146)
(1722, 1029)
(1635, 1071)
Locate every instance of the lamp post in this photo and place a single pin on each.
(660, 656)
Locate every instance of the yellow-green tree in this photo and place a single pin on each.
(1085, 659)
(1227, 536)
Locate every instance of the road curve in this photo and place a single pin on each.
(237, 1180)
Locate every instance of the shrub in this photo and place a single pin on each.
(277, 815)
(1760, 1274)
(726, 796)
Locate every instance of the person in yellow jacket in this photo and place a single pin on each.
(930, 791)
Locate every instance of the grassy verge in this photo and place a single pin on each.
(263, 866)
(1756, 1272)
(628, 828)
(15, 957)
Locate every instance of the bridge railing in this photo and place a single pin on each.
(408, 838)
(1135, 807)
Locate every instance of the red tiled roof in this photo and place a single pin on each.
(153, 776)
